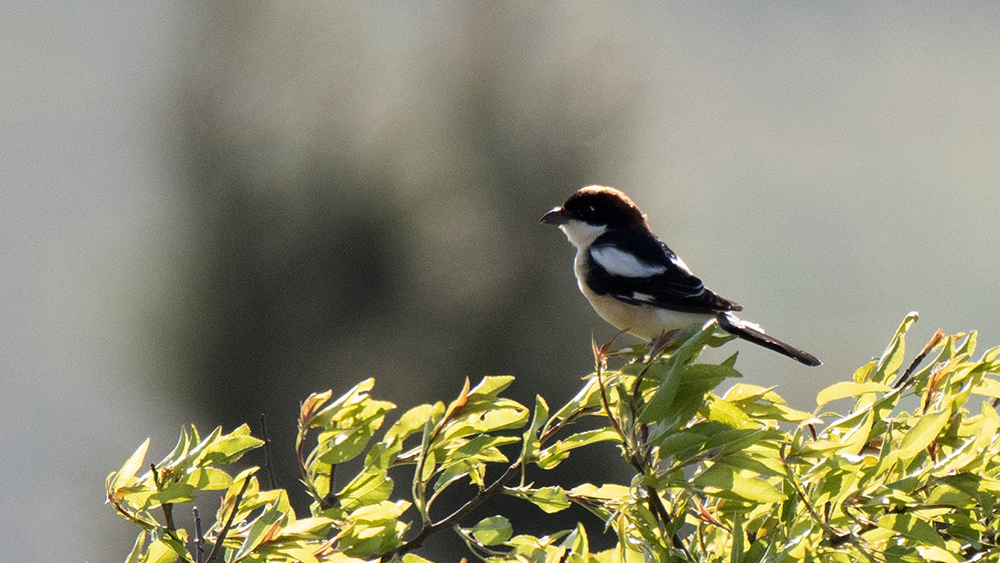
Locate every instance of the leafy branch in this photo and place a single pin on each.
(909, 472)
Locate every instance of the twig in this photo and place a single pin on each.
(607, 411)
(833, 534)
(495, 488)
(199, 540)
(633, 456)
(300, 458)
(268, 465)
(660, 511)
(229, 522)
(905, 378)
(168, 509)
(330, 500)
(549, 431)
(453, 518)
(634, 401)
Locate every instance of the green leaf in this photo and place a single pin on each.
(194, 452)
(494, 530)
(925, 431)
(315, 528)
(682, 443)
(739, 539)
(911, 527)
(891, 360)
(189, 436)
(588, 397)
(490, 388)
(554, 454)
(371, 486)
(125, 475)
(577, 544)
(751, 393)
(847, 389)
(230, 448)
(988, 387)
(550, 458)
(864, 372)
(726, 413)
(529, 449)
(263, 526)
(136, 554)
(659, 406)
(935, 553)
(708, 335)
(501, 414)
(696, 380)
(160, 551)
(779, 413)
(549, 499)
(325, 416)
(411, 422)
(741, 461)
(609, 491)
(455, 471)
(207, 479)
(374, 529)
(848, 436)
(338, 446)
(724, 481)
(349, 428)
(943, 494)
(172, 493)
(484, 448)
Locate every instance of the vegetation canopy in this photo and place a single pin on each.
(908, 473)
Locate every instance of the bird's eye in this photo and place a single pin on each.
(588, 211)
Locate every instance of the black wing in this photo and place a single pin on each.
(649, 273)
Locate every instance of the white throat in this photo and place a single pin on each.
(580, 234)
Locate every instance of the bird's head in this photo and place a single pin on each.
(593, 210)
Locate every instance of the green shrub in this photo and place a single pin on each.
(737, 476)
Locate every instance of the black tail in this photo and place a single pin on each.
(753, 333)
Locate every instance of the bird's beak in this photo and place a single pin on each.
(555, 217)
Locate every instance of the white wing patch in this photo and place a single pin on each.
(621, 263)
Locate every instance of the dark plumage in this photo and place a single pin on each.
(634, 281)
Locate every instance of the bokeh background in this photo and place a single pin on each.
(209, 210)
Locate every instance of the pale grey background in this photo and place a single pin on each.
(831, 166)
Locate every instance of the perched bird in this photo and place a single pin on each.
(635, 282)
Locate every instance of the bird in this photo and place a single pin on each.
(635, 282)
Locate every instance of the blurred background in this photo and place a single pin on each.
(209, 210)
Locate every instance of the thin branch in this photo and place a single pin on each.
(300, 457)
(229, 522)
(833, 534)
(549, 431)
(268, 465)
(168, 509)
(607, 411)
(662, 516)
(330, 500)
(199, 539)
(634, 404)
(453, 518)
(905, 378)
